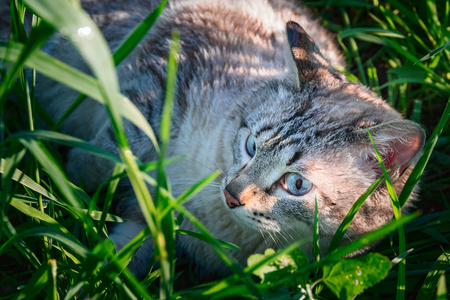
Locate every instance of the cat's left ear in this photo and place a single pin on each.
(399, 144)
(305, 62)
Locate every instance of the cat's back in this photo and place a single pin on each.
(226, 47)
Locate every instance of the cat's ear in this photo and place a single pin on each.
(305, 62)
(399, 144)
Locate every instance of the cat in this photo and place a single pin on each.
(258, 97)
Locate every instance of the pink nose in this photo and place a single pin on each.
(231, 201)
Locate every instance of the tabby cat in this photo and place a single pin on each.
(259, 99)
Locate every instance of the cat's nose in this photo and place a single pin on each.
(232, 202)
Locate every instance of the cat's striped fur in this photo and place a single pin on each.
(244, 71)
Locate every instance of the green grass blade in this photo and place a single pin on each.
(52, 292)
(378, 31)
(9, 173)
(373, 77)
(122, 51)
(441, 292)
(428, 149)
(109, 198)
(66, 140)
(396, 260)
(18, 30)
(354, 49)
(35, 213)
(192, 191)
(137, 34)
(53, 170)
(340, 232)
(444, 88)
(78, 81)
(417, 110)
(202, 237)
(130, 112)
(359, 243)
(83, 33)
(118, 262)
(39, 38)
(9, 232)
(316, 247)
(431, 281)
(224, 255)
(28, 182)
(165, 241)
(53, 233)
(401, 283)
(433, 53)
(74, 290)
(35, 284)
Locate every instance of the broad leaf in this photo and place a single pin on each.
(350, 277)
(283, 266)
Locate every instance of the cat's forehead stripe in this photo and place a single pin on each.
(266, 127)
(294, 158)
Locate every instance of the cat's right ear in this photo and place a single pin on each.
(399, 144)
(305, 62)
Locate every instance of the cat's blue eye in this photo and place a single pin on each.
(250, 145)
(296, 184)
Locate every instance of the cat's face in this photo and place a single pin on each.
(296, 146)
(293, 148)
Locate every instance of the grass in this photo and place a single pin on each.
(53, 238)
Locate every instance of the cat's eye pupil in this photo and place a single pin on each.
(298, 184)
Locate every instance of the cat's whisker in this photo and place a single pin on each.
(271, 236)
(281, 235)
(291, 229)
(263, 236)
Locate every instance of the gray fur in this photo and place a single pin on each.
(239, 74)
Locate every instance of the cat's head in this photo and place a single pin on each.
(303, 137)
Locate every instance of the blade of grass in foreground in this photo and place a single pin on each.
(431, 281)
(316, 247)
(53, 170)
(221, 289)
(357, 244)
(35, 284)
(39, 36)
(401, 283)
(52, 292)
(137, 34)
(77, 27)
(336, 255)
(441, 292)
(109, 198)
(433, 53)
(190, 192)
(79, 81)
(166, 222)
(35, 213)
(224, 255)
(66, 140)
(130, 42)
(420, 166)
(340, 232)
(53, 233)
